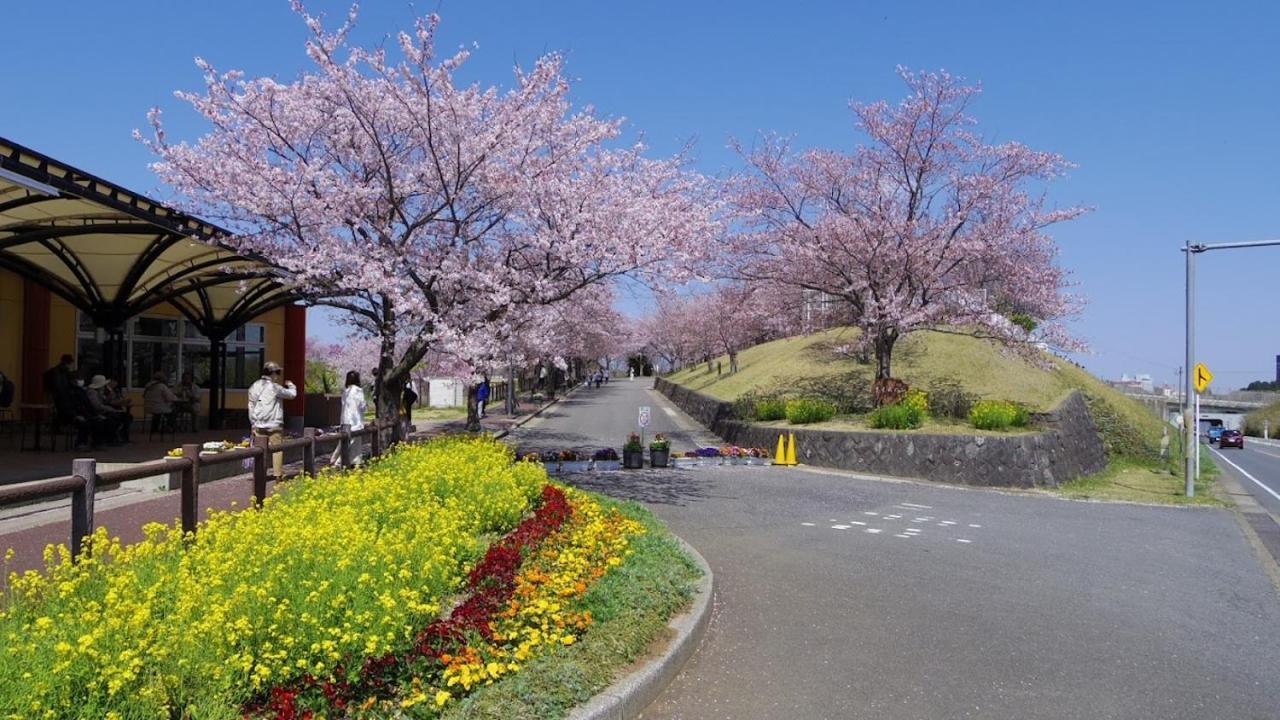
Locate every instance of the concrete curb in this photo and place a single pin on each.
(628, 696)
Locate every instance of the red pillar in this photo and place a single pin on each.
(35, 340)
(295, 357)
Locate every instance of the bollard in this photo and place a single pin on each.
(344, 445)
(309, 452)
(82, 502)
(190, 488)
(260, 442)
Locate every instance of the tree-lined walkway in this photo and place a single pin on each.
(842, 597)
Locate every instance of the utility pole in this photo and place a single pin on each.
(1191, 432)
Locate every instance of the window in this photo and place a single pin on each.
(174, 346)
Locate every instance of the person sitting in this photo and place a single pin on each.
(115, 421)
(77, 412)
(158, 400)
(188, 395)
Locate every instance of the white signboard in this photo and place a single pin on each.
(644, 416)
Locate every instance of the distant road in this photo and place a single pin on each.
(1258, 468)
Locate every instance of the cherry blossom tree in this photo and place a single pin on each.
(436, 213)
(926, 227)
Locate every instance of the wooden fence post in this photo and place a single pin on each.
(309, 452)
(344, 445)
(190, 488)
(82, 502)
(260, 443)
(376, 444)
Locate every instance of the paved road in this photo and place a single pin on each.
(845, 597)
(1257, 466)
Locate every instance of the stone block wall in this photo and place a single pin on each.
(1069, 445)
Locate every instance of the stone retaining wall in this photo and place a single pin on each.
(1067, 448)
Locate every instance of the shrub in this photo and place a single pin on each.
(802, 411)
(849, 392)
(345, 565)
(773, 408)
(998, 415)
(633, 443)
(660, 442)
(917, 399)
(948, 399)
(899, 416)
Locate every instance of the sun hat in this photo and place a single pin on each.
(271, 367)
(98, 382)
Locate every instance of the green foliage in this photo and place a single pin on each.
(1264, 385)
(322, 378)
(916, 399)
(998, 415)
(1121, 436)
(850, 392)
(948, 399)
(1024, 321)
(802, 411)
(899, 416)
(1256, 421)
(633, 443)
(773, 408)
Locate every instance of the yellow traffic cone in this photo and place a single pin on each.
(791, 451)
(780, 457)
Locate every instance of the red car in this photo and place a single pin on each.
(1231, 438)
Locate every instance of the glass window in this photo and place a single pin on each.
(155, 327)
(89, 355)
(150, 356)
(195, 360)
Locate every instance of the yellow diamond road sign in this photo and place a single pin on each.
(1202, 378)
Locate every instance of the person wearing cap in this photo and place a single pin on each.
(266, 414)
(115, 422)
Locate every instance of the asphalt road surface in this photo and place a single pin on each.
(847, 597)
(1257, 467)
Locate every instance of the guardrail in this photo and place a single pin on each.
(84, 480)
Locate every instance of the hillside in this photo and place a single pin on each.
(1266, 417)
(814, 364)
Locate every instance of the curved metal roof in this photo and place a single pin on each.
(114, 253)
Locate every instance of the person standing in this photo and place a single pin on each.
(631, 374)
(353, 409)
(266, 413)
(482, 393)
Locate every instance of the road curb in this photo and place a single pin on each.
(628, 696)
(1247, 511)
(532, 415)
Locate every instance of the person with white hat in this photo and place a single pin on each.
(266, 414)
(157, 400)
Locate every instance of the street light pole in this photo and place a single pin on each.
(1190, 443)
(1189, 422)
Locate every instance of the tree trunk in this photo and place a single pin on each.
(884, 353)
(733, 362)
(473, 409)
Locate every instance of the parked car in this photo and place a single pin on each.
(1214, 433)
(1231, 438)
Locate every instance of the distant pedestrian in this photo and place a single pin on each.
(353, 409)
(631, 374)
(482, 394)
(266, 413)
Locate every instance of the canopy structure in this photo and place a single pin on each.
(114, 253)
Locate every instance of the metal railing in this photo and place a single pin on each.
(84, 480)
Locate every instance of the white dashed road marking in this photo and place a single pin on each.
(839, 527)
(873, 531)
(903, 536)
(870, 512)
(856, 522)
(974, 525)
(923, 507)
(892, 517)
(668, 411)
(947, 522)
(808, 524)
(962, 540)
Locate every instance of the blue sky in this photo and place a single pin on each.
(1171, 113)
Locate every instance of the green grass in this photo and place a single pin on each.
(1130, 431)
(1256, 421)
(1136, 481)
(631, 606)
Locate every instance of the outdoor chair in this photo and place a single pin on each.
(160, 424)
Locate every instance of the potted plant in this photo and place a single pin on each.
(606, 459)
(659, 451)
(633, 453)
(573, 461)
(708, 456)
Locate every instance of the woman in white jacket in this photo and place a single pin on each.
(353, 407)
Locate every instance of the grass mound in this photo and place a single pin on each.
(959, 371)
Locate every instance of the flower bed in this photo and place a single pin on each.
(346, 565)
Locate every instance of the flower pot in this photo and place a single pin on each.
(633, 459)
(552, 466)
(659, 458)
(607, 464)
(570, 466)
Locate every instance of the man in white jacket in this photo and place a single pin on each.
(266, 414)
